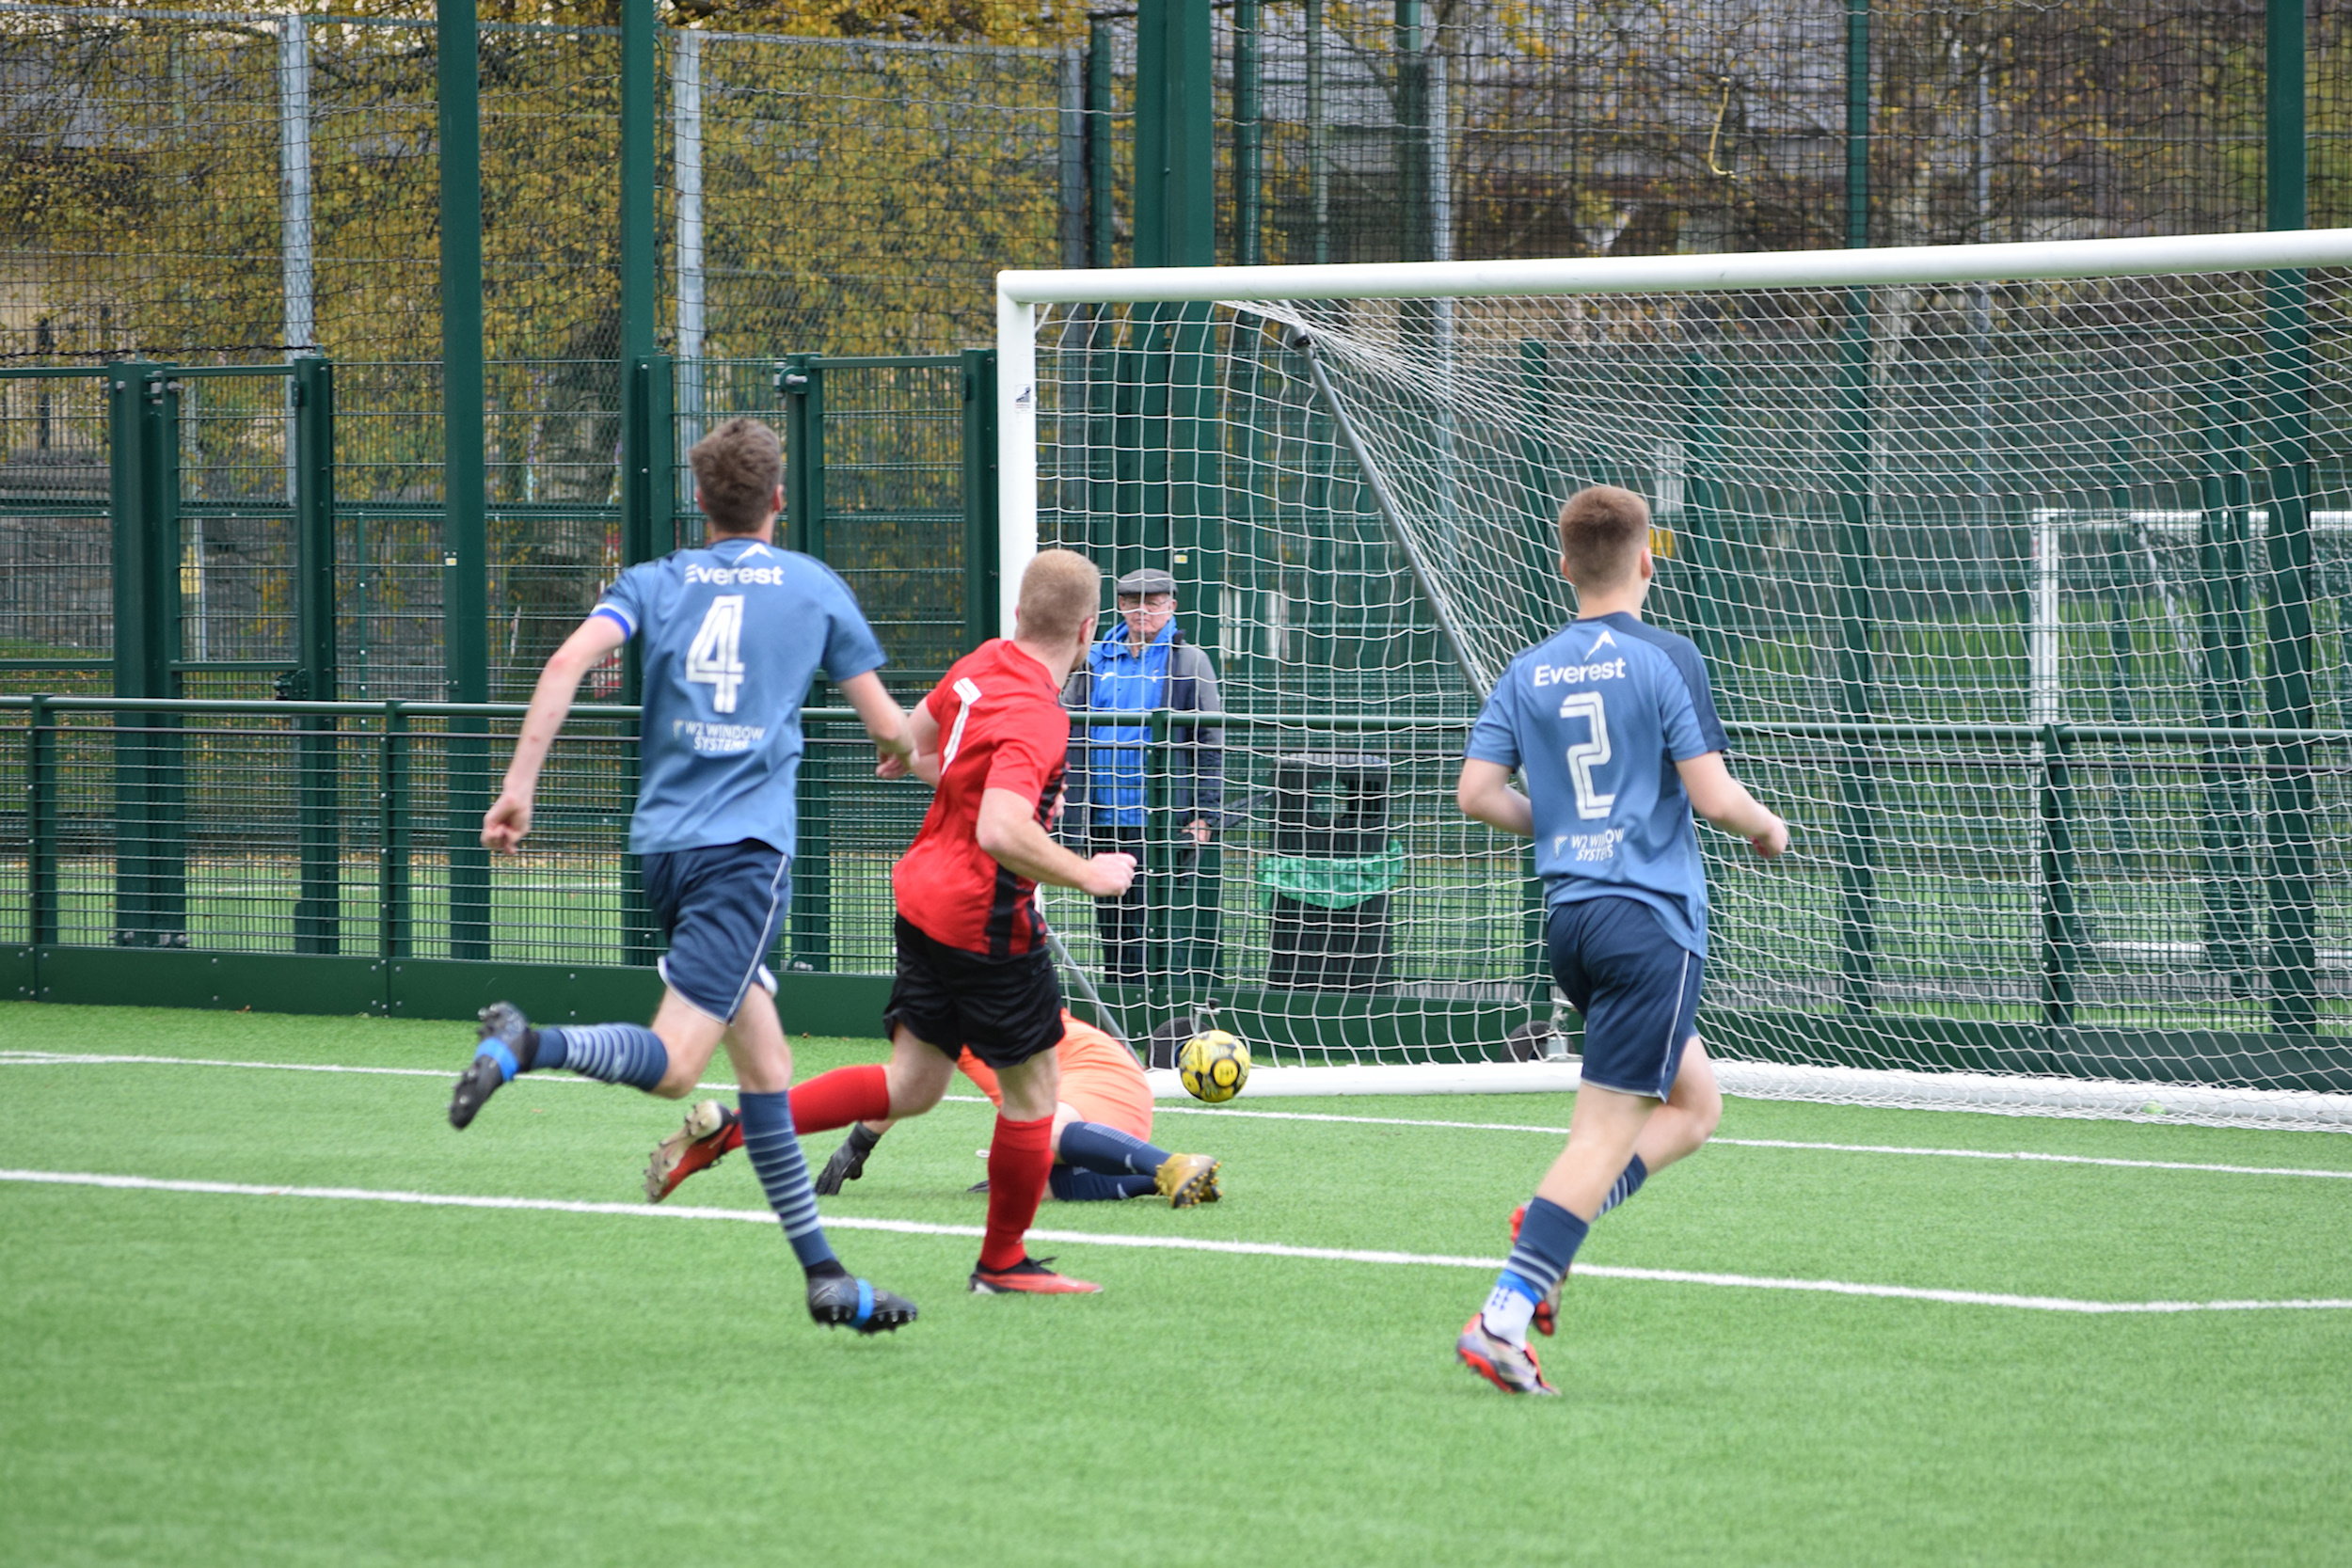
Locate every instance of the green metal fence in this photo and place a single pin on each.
(300, 856)
(210, 475)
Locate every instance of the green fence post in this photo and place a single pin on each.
(41, 825)
(318, 905)
(1159, 933)
(395, 929)
(648, 532)
(1249, 138)
(1856, 665)
(1540, 565)
(150, 858)
(1704, 579)
(464, 541)
(2287, 682)
(648, 478)
(639, 216)
(1857, 123)
(1137, 404)
(811, 929)
(1415, 189)
(1102, 204)
(1857, 675)
(136, 655)
(2061, 958)
(2225, 567)
(801, 383)
(1175, 213)
(167, 860)
(1176, 226)
(2123, 784)
(981, 538)
(316, 673)
(466, 748)
(1197, 496)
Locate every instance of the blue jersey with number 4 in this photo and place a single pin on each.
(729, 638)
(1596, 719)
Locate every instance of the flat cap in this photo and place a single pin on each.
(1145, 581)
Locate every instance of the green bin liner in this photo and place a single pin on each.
(1332, 884)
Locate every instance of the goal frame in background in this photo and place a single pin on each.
(1022, 294)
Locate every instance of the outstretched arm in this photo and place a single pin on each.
(509, 816)
(1485, 794)
(1725, 802)
(885, 723)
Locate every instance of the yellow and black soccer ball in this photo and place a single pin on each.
(1213, 1065)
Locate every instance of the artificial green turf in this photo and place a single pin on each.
(191, 1378)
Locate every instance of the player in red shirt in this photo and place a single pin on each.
(974, 972)
(1102, 1132)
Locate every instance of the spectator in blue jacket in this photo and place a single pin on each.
(1143, 663)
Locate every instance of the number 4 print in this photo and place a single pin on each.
(716, 657)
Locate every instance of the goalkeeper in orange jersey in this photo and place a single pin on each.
(1100, 1136)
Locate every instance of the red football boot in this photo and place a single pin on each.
(1030, 1276)
(711, 1131)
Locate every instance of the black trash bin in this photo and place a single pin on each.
(1328, 875)
(1330, 805)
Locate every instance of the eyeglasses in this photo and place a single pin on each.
(1157, 601)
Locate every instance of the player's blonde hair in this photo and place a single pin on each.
(1059, 589)
(1602, 529)
(737, 470)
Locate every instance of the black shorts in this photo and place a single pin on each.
(1007, 1010)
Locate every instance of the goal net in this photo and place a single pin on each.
(2019, 570)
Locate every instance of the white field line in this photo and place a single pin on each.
(1172, 1244)
(58, 1058)
(52, 1058)
(1781, 1143)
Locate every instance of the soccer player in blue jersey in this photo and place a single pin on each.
(1612, 726)
(729, 637)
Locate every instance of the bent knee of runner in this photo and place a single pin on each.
(676, 1085)
(1697, 1095)
(1029, 1097)
(915, 1084)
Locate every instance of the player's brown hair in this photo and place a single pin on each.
(737, 470)
(1602, 529)
(1059, 589)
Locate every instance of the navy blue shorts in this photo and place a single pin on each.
(1637, 987)
(720, 907)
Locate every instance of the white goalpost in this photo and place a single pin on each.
(2019, 571)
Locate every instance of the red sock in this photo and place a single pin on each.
(838, 1098)
(1020, 1157)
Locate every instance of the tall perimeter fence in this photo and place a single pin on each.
(194, 207)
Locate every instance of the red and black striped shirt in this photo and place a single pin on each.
(1001, 726)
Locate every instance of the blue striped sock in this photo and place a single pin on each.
(1628, 1183)
(1091, 1146)
(775, 1154)
(615, 1053)
(1548, 1237)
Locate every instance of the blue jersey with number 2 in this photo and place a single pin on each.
(729, 638)
(1596, 719)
